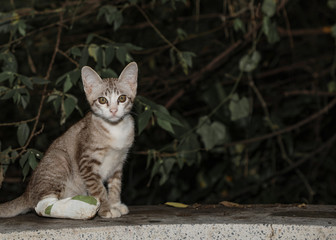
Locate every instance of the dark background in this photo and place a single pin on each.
(237, 97)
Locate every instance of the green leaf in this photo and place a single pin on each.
(8, 94)
(108, 73)
(164, 175)
(48, 209)
(23, 133)
(25, 98)
(168, 164)
(27, 82)
(109, 12)
(87, 199)
(5, 75)
(165, 125)
(75, 51)
(155, 169)
(268, 7)
(121, 53)
(332, 4)
(332, 86)
(109, 55)
(270, 30)
(22, 27)
(37, 153)
(181, 33)
(249, 62)
(188, 150)
(118, 20)
(93, 49)
(67, 84)
(188, 57)
(24, 159)
(212, 134)
(40, 81)
(32, 160)
(69, 106)
(185, 60)
(143, 119)
(88, 39)
(239, 107)
(165, 115)
(57, 103)
(9, 62)
(85, 57)
(99, 58)
(74, 76)
(238, 25)
(25, 171)
(333, 31)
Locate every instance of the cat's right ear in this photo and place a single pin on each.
(90, 79)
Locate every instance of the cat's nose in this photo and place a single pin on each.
(114, 110)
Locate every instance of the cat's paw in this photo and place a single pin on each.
(123, 209)
(115, 210)
(109, 213)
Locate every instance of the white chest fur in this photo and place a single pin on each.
(118, 140)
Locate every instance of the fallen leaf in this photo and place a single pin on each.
(176, 204)
(302, 205)
(231, 204)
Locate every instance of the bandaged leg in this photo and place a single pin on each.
(78, 207)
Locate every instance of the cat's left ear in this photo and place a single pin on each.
(130, 76)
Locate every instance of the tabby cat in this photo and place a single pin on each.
(91, 153)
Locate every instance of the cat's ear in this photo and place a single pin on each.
(130, 76)
(90, 79)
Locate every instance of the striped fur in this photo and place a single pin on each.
(92, 152)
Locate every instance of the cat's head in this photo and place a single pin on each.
(111, 98)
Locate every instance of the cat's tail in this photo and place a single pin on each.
(15, 207)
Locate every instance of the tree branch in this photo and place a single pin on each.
(287, 129)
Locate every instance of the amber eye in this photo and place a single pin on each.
(102, 100)
(122, 98)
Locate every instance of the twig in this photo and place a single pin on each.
(37, 118)
(286, 170)
(216, 62)
(279, 137)
(196, 76)
(303, 32)
(17, 123)
(69, 58)
(156, 29)
(309, 92)
(287, 129)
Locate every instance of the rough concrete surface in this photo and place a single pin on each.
(195, 222)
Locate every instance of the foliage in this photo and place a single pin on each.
(235, 97)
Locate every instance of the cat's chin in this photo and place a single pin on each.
(114, 120)
(110, 119)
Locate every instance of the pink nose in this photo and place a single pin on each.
(114, 111)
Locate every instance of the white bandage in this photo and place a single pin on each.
(78, 207)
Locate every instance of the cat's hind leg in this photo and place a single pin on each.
(78, 207)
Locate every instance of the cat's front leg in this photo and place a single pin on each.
(95, 188)
(114, 190)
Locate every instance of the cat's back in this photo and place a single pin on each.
(71, 140)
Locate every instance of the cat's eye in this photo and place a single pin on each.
(122, 98)
(102, 100)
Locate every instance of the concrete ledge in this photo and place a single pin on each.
(198, 222)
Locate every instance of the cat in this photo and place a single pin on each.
(89, 154)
